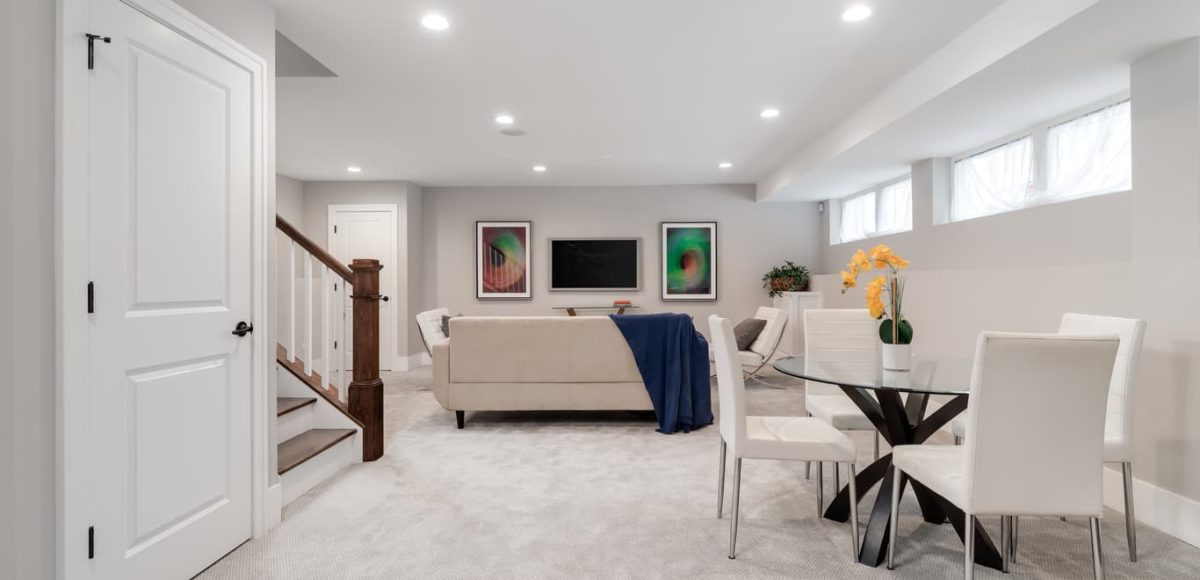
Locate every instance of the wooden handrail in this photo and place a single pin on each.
(311, 247)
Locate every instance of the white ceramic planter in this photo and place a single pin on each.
(897, 357)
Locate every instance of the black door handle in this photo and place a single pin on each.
(384, 298)
(243, 329)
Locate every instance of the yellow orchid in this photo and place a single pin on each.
(879, 256)
(860, 261)
(849, 280)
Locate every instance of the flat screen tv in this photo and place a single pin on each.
(599, 264)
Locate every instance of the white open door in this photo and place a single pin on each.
(170, 204)
(369, 231)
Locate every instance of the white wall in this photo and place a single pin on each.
(1134, 254)
(752, 237)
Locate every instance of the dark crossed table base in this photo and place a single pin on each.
(900, 423)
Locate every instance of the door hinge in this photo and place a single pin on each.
(335, 229)
(91, 542)
(91, 297)
(92, 38)
(335, 345)
(335, 287)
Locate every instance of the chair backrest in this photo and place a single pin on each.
(731, 388)
(772, 333)
(1119, 422)
(1035, 426)
(429, 323)
(842, 342)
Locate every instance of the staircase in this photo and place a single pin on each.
(329, 410)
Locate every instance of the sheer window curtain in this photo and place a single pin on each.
(895, 208)
(1090, 155)
(995, 181)
(858, 218)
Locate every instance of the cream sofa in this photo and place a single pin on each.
(536, 364)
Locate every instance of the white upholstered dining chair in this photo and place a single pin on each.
(1118, 425)
(778, 438)
(842, 343)
(1022, 386)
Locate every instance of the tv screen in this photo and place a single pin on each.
(598, 264)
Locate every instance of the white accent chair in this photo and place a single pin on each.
(763, 348)
(779, 438)
(1118, 425)
(429, 324)
(1022, 386)
(844, 342)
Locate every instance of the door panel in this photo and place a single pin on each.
(170, 204)
(369, 233)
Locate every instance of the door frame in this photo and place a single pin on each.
(396, 362)
(72, 389)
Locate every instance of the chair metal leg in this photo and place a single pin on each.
(957, 440)
(721, 481)
(851, 473)
(737, 496)
(897, 476)
(837, 478)
(1130, 520)
(820, 487)
(877, 446)
(807, 470)
(1097, 555)
(969, 548)
(1005, 539)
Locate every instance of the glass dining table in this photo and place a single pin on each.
(898, 404)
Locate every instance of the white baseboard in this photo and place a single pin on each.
(1154, 506)
(274, 501)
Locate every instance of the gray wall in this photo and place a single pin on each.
(752, 237)
(27, 310)
(27, 314)
(1134, 254)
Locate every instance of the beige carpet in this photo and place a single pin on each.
(604, 496)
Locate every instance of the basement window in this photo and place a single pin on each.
(885, 209)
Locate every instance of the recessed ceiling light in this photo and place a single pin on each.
(354, 169)
(856, 13)
(435, 22)
(769, 113)
(725, 165)
(539, 168)
(505, 119)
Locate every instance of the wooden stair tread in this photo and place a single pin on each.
(285, 405)
(313, 381)
(307, 445)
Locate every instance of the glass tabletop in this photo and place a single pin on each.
(929, 375)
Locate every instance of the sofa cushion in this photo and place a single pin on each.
(747, 331)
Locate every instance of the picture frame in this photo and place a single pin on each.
(688, 260)
(503, 260)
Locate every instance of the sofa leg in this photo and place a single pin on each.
(460, 416)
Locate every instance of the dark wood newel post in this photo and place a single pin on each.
(366, 390)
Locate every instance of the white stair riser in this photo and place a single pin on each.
(311, 473)
(294, 423)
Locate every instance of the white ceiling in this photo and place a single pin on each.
(609, 92)
(1080, 61)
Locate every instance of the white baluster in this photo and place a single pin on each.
(345, 338)
(326, 335)
(308, 313)
(291, 335)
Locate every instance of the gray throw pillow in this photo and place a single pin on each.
(747, 331)
(446, 324)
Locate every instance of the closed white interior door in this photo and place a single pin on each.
(170, 206)
(369, 231)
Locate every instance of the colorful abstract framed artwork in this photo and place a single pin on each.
(689, 260)
(502, 260)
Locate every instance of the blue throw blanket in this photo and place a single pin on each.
(673, 360)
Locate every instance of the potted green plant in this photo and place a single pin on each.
(786, 278)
